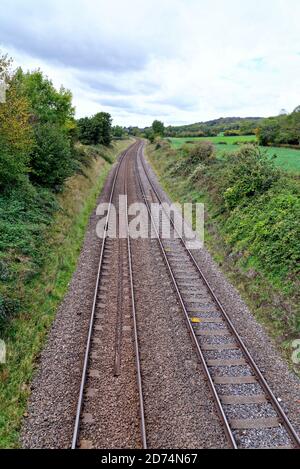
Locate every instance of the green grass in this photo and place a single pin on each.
(178, 142)
(40, 297)
(286, 158)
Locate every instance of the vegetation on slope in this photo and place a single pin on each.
(49, 183)
(35, 273)
(252, 224)
(286, 158)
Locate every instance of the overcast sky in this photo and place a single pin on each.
(181, 61)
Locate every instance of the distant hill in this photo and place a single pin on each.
(241, 125)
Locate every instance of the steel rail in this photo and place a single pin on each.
(272, 398)
(134, 317)
(92, 317)
(220, 409)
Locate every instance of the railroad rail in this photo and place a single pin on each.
(123, 161)
(219, 346)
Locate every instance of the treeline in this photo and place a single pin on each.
(229, 126)
(226, 125)
(233, 126)
(38, 130)
(280, 130)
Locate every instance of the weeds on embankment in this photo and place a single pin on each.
(252, 225)
(38, 255)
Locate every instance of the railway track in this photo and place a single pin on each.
(249, 411)
(125, 303)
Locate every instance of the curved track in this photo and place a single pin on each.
(121, 175)
(249, 412)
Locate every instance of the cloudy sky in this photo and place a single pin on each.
(181, 61)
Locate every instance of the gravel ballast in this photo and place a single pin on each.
(283, 382)
(55, 388)
(179, 410)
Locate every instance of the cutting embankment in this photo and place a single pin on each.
(44, 233)
(252, 225)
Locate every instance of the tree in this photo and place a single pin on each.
(15, 130)
(158, 128)
(268, 131)
(149, 134)
(52, 159)
(283, 129)
(135, 131)
(294, 125)
(118, 131)
(86, 131)
(54, 128)
(95, 130)
(47, 104)
(102, 122)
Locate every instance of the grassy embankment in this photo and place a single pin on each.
(251, 228)
(286, 158)
(41, 239)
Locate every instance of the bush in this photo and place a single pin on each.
(52, 160)
(202, 152)
(5, 273)
(269, 231)
(24, 215)
(198, 173)
(246, 174)
(8, 308)
(232, 133)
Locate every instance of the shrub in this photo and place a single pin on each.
(52, 161)
(5, 273)
(203, 152)
(269, 230)
(231, 133)
(198, 173)
(247, 173)
(24, 214)
(8, 308)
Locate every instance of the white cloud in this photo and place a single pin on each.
(179, 60)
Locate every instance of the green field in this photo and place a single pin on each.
(287, 158)
(177, 142)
